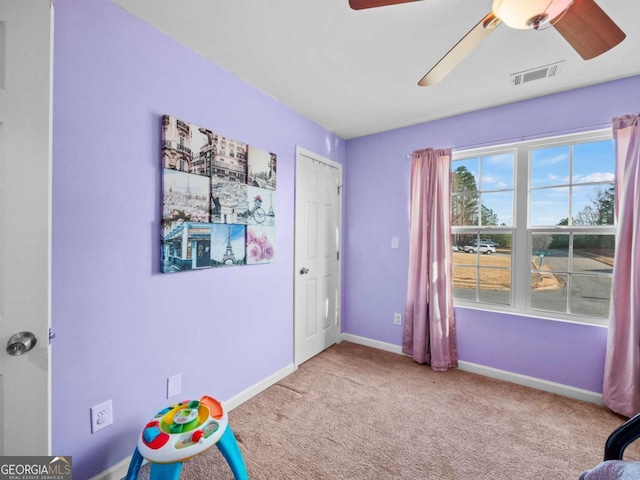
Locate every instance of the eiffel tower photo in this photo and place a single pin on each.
(271, 214)
(229, 258)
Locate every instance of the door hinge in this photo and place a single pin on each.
(339, 188)
(52, 335)
(338, 256)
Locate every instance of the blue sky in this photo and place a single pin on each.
(555, 167)
(560, 182)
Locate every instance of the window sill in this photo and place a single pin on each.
(539, 315)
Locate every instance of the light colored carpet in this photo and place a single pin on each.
(354, 412)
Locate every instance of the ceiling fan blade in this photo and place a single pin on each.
(588, 29)
(460, 50)
(361, 4)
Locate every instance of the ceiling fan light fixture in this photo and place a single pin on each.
(529, 14)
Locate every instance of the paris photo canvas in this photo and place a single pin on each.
(213, 187)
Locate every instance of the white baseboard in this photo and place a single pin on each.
(367, 342)
(537, 383)
(119, 470)
(254, 390)
(116, 472)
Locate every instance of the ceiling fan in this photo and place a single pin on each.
(582, 23)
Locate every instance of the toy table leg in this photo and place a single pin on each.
(165, 471)
(134, 466)
(231, 452)
(159, 471)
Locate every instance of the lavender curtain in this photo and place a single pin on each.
(429, 334)
(621, 389)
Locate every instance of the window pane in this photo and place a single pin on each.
(484, 248)
(463, 258)
(502, 242)
(549, 166)
(495, 285)
(464, 209)
(497, 172)
(593, 253)
(593, 204)
(550, 252)
(497, 208)
(457, 247)
(549, 206)
(491, 258)
(486, 244)
(549, 292)
(462, 239)
(582, 209)
(593, 162)
(590, 295)
(464, 282)
(540, 244)
(464, 175)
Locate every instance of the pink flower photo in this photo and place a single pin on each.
(260, 244)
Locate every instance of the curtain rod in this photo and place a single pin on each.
(531, 137)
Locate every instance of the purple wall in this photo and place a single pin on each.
(377, 199)
(122, 327)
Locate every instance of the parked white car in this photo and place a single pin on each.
(488, 241)
(483, 247)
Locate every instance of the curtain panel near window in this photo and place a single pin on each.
(429, 334)
(621, 389)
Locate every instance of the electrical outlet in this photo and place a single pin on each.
(397, 318)
(101, 416)
(174, 385)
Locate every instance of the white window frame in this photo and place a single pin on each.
(521, 231)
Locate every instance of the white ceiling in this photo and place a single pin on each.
(356, 72)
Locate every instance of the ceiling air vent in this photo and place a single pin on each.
(538, 73)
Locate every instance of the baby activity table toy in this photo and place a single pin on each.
(182, 431)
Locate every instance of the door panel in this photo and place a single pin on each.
(311, 298)
(317, 266)
(25, 220)
(311, 245)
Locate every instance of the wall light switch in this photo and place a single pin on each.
(395, 242)
(174, 385)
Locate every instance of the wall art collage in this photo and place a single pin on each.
(218, 200)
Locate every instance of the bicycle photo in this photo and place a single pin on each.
(257, 212)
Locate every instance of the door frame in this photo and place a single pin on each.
(300, 151)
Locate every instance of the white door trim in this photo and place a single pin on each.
(318, 158)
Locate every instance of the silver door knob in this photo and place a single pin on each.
(304, 270)
(21, 343)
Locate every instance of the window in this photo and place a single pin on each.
(533, 226)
